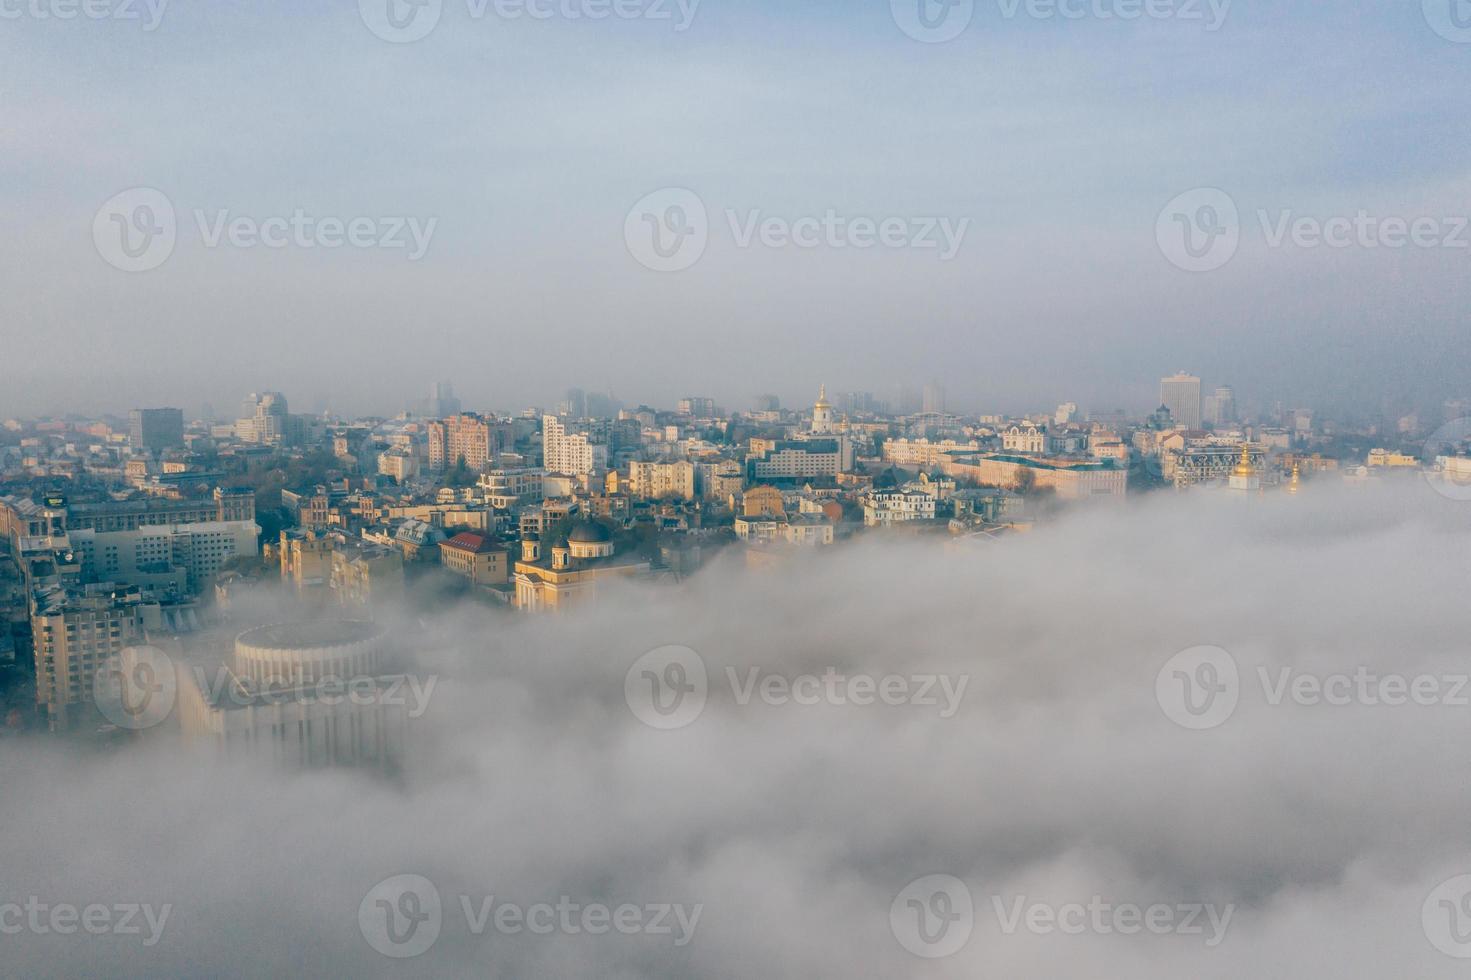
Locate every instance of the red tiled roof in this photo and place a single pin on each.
(475, 543)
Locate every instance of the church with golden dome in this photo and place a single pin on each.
(1244, 476)
(822, 414)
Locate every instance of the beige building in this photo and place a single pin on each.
(476, 558)
(571, 571)
(304, 694)
(921, 453)
(1070, 479)
(1392, 460)
(75, 633)
(662, 481)
(567, 451)
(762, 500)
(473, 438)
(363, 575)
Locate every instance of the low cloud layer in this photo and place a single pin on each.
(1302, 837)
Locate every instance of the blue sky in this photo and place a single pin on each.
(1060, 141)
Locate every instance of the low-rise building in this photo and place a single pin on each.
(476, 558)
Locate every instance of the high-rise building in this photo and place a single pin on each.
(76, 631)
(660, 481)
(473, 438)
(700, 408)
(1221, 406)
(1181, 395)
(265, 420)
(155, 429)
(768, 403)
(569, 451)
(934, 398)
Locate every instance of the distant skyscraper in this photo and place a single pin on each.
(768, 403)
(1222, 406)
(934, 398)
(700, 408)
(441, 402)
(576, 403)
(266, 420)
(1181, 395)
(445, 402)
(154, 429)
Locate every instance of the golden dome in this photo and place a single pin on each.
(1244, 467)
(822, 398)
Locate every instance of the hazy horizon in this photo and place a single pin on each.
(527, 143)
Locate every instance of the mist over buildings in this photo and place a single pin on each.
(793, 826)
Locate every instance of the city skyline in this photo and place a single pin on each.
(723, 489)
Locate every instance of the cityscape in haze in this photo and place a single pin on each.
(708, 490)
